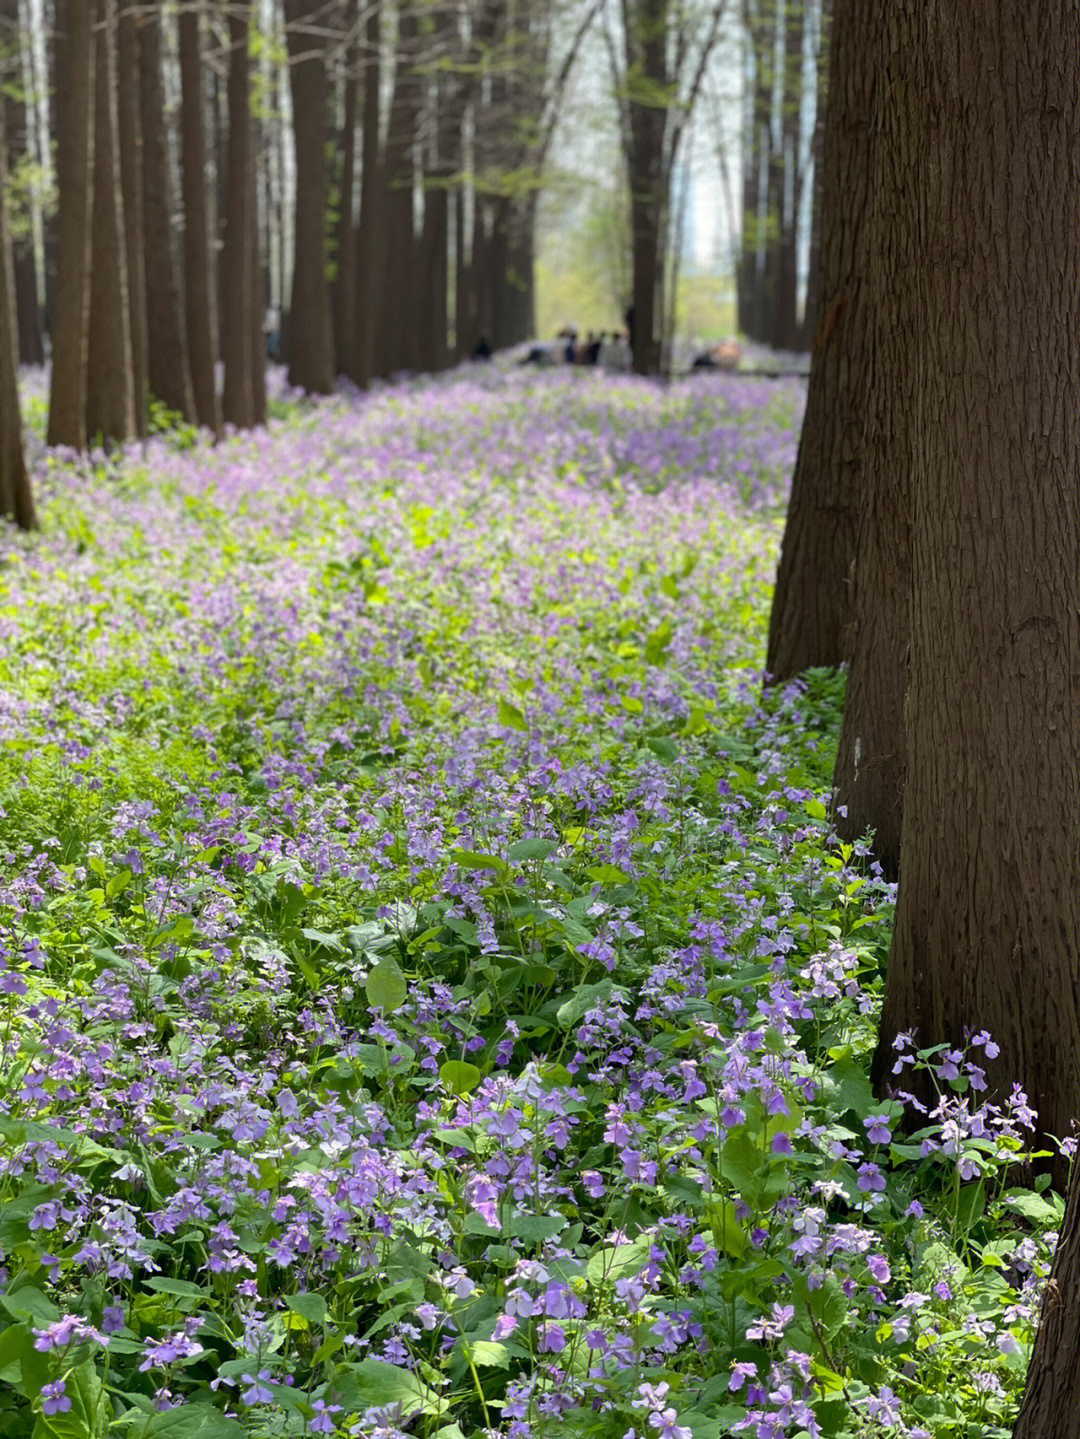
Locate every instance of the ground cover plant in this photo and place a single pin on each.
(432, 1001)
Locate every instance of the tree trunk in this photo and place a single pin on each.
(980, 146)
(16, 500)
(238, 286)
(646, 35)
(402, 261)
(311, 337)
(792, 177)
(811, 320)
(370, 235)
(346, 339)
(131, 163)
(1052, 1398)
(201, 316)
(17, 115)
(110, 385)
(811, 610)
(74, 182)
(167, 356)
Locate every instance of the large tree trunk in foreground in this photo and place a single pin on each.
(16, 500)
(868, 785)
(1051, 1404)
(981, 136)
(169, 369)
(201, 313)
(812, 605)
(239, 288)
(74, 181)
(129, 115)
(110, 385)
(311, 338)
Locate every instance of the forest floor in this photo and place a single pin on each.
(432, 999)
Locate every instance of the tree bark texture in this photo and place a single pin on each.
(18, 124)
(238, 287)
(402, 254)
(646, 32)
(167, 355)
(311, 336)
(982, 131)
(1051, 1404)
(811, 611)
(16, 499)
(201, 309)
(74, 181)
(129, 115)
(110, 383)
(371, 232)
(343, 311)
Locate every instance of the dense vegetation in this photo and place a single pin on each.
(431, 997)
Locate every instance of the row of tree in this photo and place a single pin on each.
(933, 540)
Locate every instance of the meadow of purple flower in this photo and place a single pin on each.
(431, 997)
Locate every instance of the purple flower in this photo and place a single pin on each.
(877, 1129)
(159, 1353)
(257, 1392)
(54, 1398)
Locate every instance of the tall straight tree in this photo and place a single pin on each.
(979, 146)
(645, 26)
(16, 498)
(346, 338)
(311, 336)
(201, 310)
(74, 183)
(811, 609)
(239, 292)
(19, 117)
(167, 358)
(110, 382)
(129, 115)
(371, 232)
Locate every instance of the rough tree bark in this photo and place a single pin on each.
(110, 382)
(167, 355)
(18, 118)
(811, 609)
(402, 254)
(16, 499)
(346, 338)
(201, 310)
(131, 162)
(371, 231)
(74, 183)
(311, 335)
(645, 25)
(980, 139)
(238, 286)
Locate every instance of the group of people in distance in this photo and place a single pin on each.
(611, 350)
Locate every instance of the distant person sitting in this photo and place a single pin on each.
(725, 356)
(569, 336)
(539, 354)
(483, 349)
(590, 351)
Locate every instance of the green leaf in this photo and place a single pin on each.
(815, 809)
(386, 988)
(469, 859)
(664, 749)
(511, 716)
(584, 998)
(189, 1421)
(617, 1262)
(607, 874)
(88, 1416)
(459, 1076)
(846, 1086)
(310, 1306)
(372, 1384)
(526, 849)
(486, 1354)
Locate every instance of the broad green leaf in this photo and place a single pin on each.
(88, 1416)
(310, 1306)
(486, 1354)
(526, 849)
(372, 1384)
(459, 1076)
(386, 988)
(511, 716)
